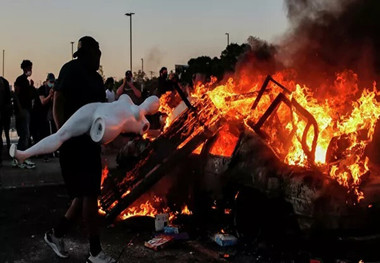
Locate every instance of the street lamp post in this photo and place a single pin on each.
(72, 49)
(130, 37)
(228, 39)
(3, 63)
(142, 65)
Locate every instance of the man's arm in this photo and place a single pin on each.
(45, 100)
(120, 89)
(134, 89)
(58, 109)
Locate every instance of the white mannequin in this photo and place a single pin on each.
(103, 121)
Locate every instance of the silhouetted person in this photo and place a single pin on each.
(46, 124)
(5, 113)
(170, 84)
(79, 84)
(129, 88)
(164, 85)
(24, 95)
(110, 93)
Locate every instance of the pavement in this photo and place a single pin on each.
(32, 200)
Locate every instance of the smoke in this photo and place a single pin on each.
(331, 36)
(154, 58)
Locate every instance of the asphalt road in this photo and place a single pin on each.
(31, 201)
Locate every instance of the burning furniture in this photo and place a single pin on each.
(258, 157)
(185, 134)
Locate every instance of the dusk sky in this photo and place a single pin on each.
(165, 32)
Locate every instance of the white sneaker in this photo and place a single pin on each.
(12, 150)
(100, 258)
(56, 244)
(29, 162)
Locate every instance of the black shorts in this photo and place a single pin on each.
(81, 166)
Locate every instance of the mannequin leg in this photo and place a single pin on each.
(79, 123)
(47, 145)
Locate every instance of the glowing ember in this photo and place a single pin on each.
(186, 211)
(100, 211)
(227, 211)
(104, 174)
(126, 193)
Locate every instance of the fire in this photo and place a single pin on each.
(332, 136)
(186, 211)
(225, 143)
(144, 209)
(166, 109)
(104, 174)
(223, 146)
(151, 207)
(347, 116)
(227, 211)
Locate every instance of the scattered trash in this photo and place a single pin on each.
(225, 240)
(159, 242)
(162, 220)
(171, 230)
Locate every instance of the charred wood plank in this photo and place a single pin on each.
(263, 89)
(156, 173)
(183, 136)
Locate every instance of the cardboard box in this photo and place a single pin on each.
(159, 242)
(161, 220)
(225, 240)
(171, 230)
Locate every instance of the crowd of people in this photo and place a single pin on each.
(32, 109)
(39, 112)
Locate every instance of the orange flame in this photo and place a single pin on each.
(144, 209)
(186, 211)
(336, 116)
(104, 175)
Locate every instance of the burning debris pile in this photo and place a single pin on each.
(183, 136)
(297, 148)
(309, 143)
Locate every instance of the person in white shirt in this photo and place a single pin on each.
(110, 93)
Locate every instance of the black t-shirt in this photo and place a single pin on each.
(5, 96)
(164, 85)
(24, 92)
(127, 90)
(79, 87)
(44, 109)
